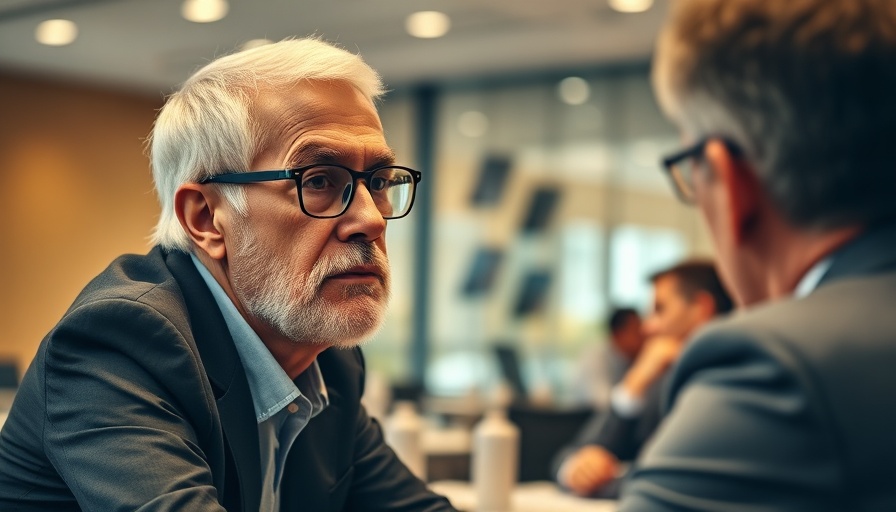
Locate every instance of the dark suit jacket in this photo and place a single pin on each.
(788, 406)
(623, 437)
(137, 400)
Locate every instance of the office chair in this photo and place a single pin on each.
(543, 432)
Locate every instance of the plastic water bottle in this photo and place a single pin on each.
(404, 431)
(496, 444)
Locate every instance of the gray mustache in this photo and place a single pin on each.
(359, 253)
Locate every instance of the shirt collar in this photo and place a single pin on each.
(811, 278)
(271, 387)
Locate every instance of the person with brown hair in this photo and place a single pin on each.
(788, 112)
(685, 297)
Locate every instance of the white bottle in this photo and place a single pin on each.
(496, 444)
(404, 433)
(377, 395)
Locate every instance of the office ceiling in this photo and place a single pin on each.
(146, 46)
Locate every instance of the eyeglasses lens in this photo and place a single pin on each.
(327, 190)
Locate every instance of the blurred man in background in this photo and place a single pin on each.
(604, 364)
(686, 296)
(789, 115)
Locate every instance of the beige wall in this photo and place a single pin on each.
(75, 192)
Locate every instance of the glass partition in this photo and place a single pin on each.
(548, 209)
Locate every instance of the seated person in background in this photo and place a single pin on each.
(789, 113)
(222, 369)
(685, 297)
(604, 364)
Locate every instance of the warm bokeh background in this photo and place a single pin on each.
(75, 191)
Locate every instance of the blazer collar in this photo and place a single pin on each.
(872, 252)
(228, 379)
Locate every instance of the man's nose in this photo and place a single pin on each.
(362, 220)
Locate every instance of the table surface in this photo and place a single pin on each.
(527, 497)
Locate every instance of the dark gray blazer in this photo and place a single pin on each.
(623, 437)
(137, 400)
(787, 406)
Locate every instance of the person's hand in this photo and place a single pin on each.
(657, 355)
(589, 469)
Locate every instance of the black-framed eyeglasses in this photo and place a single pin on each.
(326, 190)
(681, 165)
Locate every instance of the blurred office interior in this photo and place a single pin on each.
(542, 203)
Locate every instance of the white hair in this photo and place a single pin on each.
(207, 127)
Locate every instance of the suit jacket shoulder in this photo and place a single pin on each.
(116, 392)
(782, 407)
(138, 400)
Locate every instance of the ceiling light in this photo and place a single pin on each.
(255, 43)
(630, 5)
(472, 124)
(573, 90)
(56, 32)
(428, 24)
(204, 11)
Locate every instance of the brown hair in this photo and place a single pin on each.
(804, 87)
(695, 276)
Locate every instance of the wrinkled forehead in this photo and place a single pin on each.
(312, 102)
(331, 112)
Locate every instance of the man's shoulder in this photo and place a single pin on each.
(128, 276)
(832, 322)
(828, 341)
(135, 278)
(134, 293)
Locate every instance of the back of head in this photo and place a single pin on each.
(805, 88)
(696, 276)
(625, 332)
(208, 126)
(620, 317)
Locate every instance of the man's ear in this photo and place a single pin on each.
(707, 305)
(196, 208)
(739, 186)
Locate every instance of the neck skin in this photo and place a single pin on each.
(293, 357)
(780, 255)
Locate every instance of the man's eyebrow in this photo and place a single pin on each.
(310, 152)
(386, 157)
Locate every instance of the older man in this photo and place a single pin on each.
(789, 111)
(201, 376)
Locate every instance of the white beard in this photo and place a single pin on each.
(289, 299)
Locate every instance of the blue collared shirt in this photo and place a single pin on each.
(283, 407)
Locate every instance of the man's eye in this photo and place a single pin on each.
(318, 182)
(379, 184)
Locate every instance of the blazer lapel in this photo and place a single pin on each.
(319, 465)
(228, 379)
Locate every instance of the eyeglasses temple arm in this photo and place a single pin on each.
(250, 177)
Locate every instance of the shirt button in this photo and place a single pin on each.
(292, 408)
